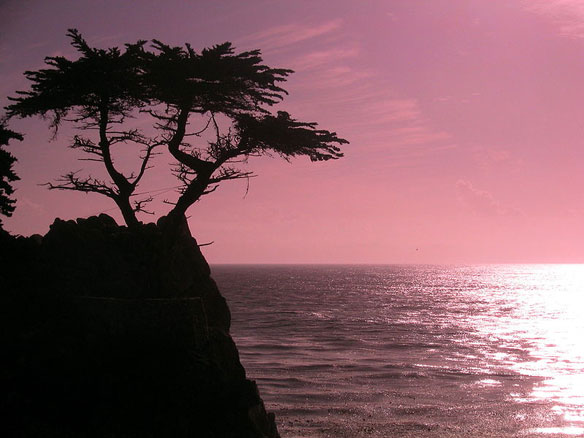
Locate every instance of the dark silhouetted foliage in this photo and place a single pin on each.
(99, 90)
(7, 175)
(209, 109)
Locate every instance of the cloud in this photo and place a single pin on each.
(335, 79)
(25, 204)
(390, 109)
(481, 202)
(323, 58)
(567, 14)
(420, 134)
(371, 113)
(289, 34)
(392, 16)
(491, 157)
(371, 107)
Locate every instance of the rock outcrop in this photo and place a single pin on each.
(117, 332)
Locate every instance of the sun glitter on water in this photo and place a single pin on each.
(546, 318)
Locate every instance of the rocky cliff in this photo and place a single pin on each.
(112, 332)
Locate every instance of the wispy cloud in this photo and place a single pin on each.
(289, 34)
(482, 202)
(496, 159)
(25, 203)
(567, 14)
(487, 158)
(332, 75)
(333, 78)
(323, 58)
(393, 17)
(419, 134)
(377, 114)
(391, 110)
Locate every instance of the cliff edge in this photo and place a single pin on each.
(112, 332)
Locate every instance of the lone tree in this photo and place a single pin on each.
(100, 90)
(7, 175)
(209, 110)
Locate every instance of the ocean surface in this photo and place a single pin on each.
(413, 351)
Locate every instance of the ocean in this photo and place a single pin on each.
(413, 351)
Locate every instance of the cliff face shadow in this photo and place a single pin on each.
(112, 332)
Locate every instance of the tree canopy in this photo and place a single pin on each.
(226, 94)
(7, 175)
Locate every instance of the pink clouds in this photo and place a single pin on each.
(332, 67)
(493, 159)
(283, 36)
(568, 15)
(322, 59)
(480, 202)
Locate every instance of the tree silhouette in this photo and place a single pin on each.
(7, 175)
(208, 109)
(100, 90)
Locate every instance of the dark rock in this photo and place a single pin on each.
(116, 332)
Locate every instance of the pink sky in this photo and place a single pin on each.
(465, 120)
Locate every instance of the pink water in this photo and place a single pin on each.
(413, 351)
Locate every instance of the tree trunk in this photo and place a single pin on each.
(192, 194)
(127, 212)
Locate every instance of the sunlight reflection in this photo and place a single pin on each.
(569, 430)
(544, 319)
(488, 382)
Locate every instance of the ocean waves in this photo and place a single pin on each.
(351, 351)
